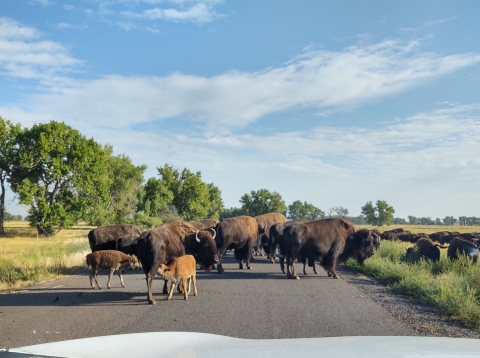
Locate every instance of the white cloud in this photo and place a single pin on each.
(324, 80)
(200, 12)
(23, 54)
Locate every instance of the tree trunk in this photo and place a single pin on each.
(2, 203)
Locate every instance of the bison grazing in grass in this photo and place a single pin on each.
(460, 246)
(425, 248)
(110, 259)
(328, 240)
(180, 270)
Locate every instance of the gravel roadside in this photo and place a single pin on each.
(424, 320)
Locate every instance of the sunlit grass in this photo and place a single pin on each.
(452, 286)
(26, 258)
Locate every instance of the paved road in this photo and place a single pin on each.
(258, 303)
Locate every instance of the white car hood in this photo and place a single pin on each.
(191, 345)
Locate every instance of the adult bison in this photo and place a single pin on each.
(121, 237)
(425, 248)
(271, 242)
(265, 222)
(328, 240)
(238, 233)
(460, 246)
(171, 240)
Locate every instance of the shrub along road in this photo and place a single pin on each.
(257, 303)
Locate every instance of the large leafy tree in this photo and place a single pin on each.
(186, 191)
(124, 182)
(60, 174)
(8, 135)
(262, 201)
(381, 214)
(299, 210)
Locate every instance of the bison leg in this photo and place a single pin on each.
(282, 264)
(165, 287)
(304, 261)
(149, 279)
(96, 279)
(172, 287)
(119, 273)
(90, 276)
(194, 279)
(110, 274)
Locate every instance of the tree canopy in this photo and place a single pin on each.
(262, 201)
(299, 210)
(381, 214)
(59, 173)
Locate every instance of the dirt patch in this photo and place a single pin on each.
(422, 319)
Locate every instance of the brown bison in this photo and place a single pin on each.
(180, 270)
(265, 222)
(460, 246)
(271, 242)
(120, 237)
(327, 240)
(238, 233)
(169, 241)
(425, 248)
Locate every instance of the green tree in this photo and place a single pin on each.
(60, 174)
(154, 197)
(449, 220)
(192, 198)
(412, 220)
(8, 135)
(379, 215)
(216, 202)
(262, 201)
(124, 182)
(299, 210)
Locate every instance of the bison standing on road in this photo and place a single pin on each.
(120, 237)
(265, 222)
(329, 240)
(239, 233)
(271, 242)
(169, 241)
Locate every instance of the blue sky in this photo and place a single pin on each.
(329, 102)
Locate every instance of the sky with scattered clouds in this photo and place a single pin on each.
(329, 102)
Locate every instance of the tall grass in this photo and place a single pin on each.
(452, 286)
(26, 259)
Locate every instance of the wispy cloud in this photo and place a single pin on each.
(23, 54)
(201, 12)
(428, 24)
(323, 80)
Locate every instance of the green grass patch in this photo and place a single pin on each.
(452, 286)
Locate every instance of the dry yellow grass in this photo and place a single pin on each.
(26, 258)
(427, 229)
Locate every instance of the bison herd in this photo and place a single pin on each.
(464, 244)
(205, 242)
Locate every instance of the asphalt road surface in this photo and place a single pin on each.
(258, 303)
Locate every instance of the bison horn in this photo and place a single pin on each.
(196, 236)
(214, 233)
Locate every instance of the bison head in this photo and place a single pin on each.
(201, 245)
(360, 245)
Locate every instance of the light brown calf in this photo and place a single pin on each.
(110, 259)
(182, 269)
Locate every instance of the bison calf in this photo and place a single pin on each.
(182, 269)
(110, 259)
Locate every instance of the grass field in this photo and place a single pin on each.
(452, 286)
(26, 259)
